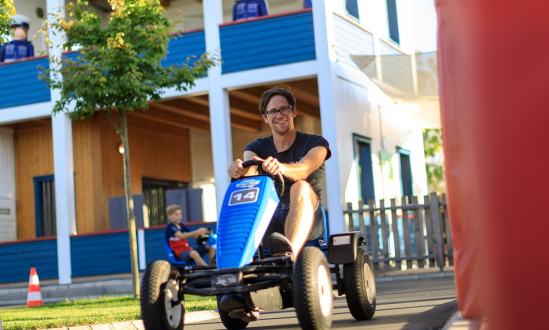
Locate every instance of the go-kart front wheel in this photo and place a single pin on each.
(159, 291)
(360, 287)
(312, 289)
(229, 322)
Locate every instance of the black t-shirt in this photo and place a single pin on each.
(303, 143)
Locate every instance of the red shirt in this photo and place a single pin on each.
(178, 245)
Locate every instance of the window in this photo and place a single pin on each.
(154, 194)
(352, 7)
(44, 201)
(363, 158)
(393, 21)
(405, 172)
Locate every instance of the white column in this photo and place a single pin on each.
(142, 250)
(220, 117)
(64, 193)
(8, 218)
(326, 58)
(63, 167)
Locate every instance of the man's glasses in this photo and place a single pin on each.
(283, 110)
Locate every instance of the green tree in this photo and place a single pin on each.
(118, 71)
(432, 143)
(7, 11)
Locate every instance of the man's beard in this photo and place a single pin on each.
(282, 130)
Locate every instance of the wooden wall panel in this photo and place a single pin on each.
(98, 166)
(33, 157)
(163, 155)
(90, 216)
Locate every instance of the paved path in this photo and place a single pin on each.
(425, 303)
(15, 294)
(412, 299)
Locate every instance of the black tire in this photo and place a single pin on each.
(312, 290)
(159, 279)
(360, 287)
(229, 322)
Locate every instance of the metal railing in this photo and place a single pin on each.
(410, 232)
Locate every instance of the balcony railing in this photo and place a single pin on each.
(268, 41)
(186, 45)
(20, 84)
(351, 39)
(257, 43)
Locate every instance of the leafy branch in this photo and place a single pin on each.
(7, 11)
(432, 142)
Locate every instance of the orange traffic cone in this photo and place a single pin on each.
(34, 298)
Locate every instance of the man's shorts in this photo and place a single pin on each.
(186, 256)
(279, 218)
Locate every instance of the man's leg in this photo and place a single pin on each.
(299, 222)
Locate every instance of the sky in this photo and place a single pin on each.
(425, 25)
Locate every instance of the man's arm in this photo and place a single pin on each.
(298, 171)
(236, 170)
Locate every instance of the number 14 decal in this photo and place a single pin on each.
(250, 195)
(244, 196)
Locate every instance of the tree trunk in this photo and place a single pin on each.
(129, 204)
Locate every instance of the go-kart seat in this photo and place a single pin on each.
(171, 256)
(322, 242)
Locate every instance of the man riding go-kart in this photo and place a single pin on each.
(287, 215)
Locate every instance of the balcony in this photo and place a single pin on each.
(267, 41)
(20, 84)
(258, 43)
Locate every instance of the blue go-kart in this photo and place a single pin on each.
(246, 271)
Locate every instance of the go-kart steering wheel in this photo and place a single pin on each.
(278, 179)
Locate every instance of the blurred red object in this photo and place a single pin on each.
(494, 77)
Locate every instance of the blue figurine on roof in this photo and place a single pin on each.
(246, 9)
(19, 47)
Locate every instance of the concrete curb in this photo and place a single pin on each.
(55, 287)
(413, 277)
(458, 322)
(191, 317)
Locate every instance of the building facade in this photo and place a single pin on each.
(57, 176)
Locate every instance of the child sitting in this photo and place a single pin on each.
(177, 234)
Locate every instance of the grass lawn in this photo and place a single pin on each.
(86, 312)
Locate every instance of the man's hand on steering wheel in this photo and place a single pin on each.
(236, 170)
(271, 165)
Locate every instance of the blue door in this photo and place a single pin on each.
(405, 172)
(352, 7)
(44, 206)
(365, 171)
(392, 19)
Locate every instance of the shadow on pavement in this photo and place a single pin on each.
(437, 316)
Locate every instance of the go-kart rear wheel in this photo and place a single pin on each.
(312, 289)
(360, 287)
(229, 322)
(159, 291)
